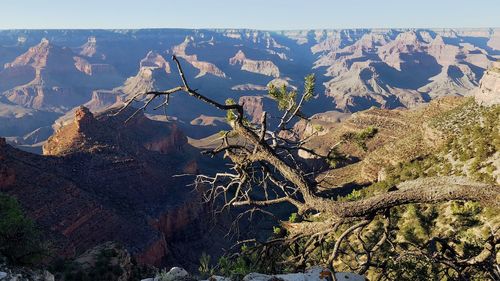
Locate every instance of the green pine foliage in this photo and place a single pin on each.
(231, 114)
(284, 98)
(287, 99)
(20, 240)
(294, 218)
(237, 267)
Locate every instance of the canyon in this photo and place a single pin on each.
(103, 180)
(47, 74)
(88, 176)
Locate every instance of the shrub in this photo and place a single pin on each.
(237, 268)
(205, 269)
(360, 138)
(20, 240)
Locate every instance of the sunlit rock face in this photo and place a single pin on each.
(53, 78)
(204, 67)
(264, 67)
(400, 68)
(489, 87)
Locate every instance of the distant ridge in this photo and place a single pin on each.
(355, 68)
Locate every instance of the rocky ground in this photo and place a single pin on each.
(16, 273)
(312, 274)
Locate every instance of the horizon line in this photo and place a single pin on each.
(245, 28)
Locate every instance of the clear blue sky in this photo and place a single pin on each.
(258, 14)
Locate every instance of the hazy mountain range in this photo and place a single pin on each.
(47, 73)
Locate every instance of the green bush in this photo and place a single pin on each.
(20, 240)
(236, 267)
(278, 230)
(360, 138)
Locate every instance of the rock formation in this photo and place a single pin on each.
(103, 179)
(203, 66)
(248, 87)
(494, 40)
(94, 68)
(392, 68)
(16, 120)
(106, 254)
(205, 120)
(264, 67)
(489, 87)
(152, 75)
(253, 106)
(44, 61)
(53, 78)
(90, 49)
(10, 273)
(155, 60)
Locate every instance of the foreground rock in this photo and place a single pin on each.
(174, 274)
(108, 261)
(22, 274)
(15, 273)
(312, 274)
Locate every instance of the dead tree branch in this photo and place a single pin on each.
(264, 163)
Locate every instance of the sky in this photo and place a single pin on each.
(254, 14)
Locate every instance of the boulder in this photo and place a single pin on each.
(175, 274)
(218, 278)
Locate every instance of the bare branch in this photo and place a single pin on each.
(195, 94)
(264, 161)
(348, 231)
